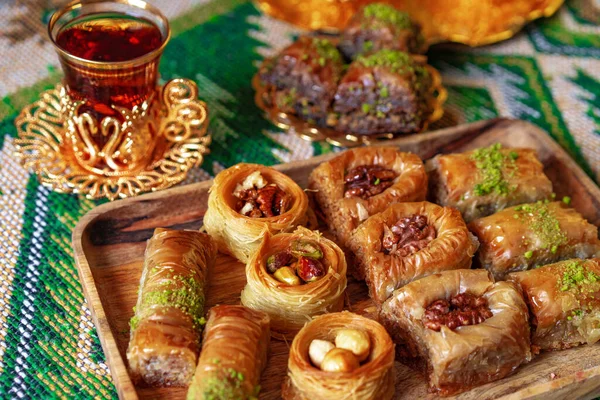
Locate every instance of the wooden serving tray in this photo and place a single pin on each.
(109, 245)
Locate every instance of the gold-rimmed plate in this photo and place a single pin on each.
(315, 133)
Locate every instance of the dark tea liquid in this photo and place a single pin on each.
(109, 38)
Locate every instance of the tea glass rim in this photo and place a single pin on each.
(75, 4)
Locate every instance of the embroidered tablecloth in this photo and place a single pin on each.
(548, 74)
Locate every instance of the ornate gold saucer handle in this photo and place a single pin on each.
(147, 148)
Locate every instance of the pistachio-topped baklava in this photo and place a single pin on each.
(385, 92)
(564, 301)
(165, 330)
(480, 182)
(303, 77)
(381, 26)
(528, 235)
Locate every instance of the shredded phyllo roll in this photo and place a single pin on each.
(294, 277)
(564, 300)
(409, 241)
(341, 356)
(166, 327)
(463, 329)
(361, 182)
(527, 235)
(234, 354)
(480, 182)
(248, 200)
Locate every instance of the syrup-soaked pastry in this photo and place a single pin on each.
(248, 200)
(408, 241)
(564, 301)
(166, 328)
(521, 237)
(386, 92)
(293, 277)
(364, 181)
(483, 181)
(372, 378)
(460, 328)
(303, 77)
(380, 26)
(234, 354)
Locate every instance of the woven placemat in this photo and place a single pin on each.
(548, 74)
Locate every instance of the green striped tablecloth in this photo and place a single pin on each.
(549, 74)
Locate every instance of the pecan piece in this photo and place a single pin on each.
(461, 310)
(267, 202)
(368, 180)
(408, 236)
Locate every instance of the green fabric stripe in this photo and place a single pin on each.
(16, 300)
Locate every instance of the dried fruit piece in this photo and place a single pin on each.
(310, 269)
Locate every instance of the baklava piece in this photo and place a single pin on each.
(381, 26)
(303, 77)
(462, 329)
(564, 301)
(234, 354)
(340, 355)
(486, 180)
(165, 331)
(386, 92)
(294, 277)
(364, 181)
(247, 200)
(408, 241)
(524, 236)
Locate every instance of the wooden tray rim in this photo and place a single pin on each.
(126, 389)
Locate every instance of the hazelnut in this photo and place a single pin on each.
(354, 340)
(287, 275)
(339, 360)
(317, 350)
(309, 269)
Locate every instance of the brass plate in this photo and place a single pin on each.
(314, 133)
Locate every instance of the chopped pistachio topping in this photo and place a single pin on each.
(228, 386)
(576, 276)
(368, 45)
(566, 200)
(186, 296)
(366, 108)
(387, 14)
(326, 51)
(544, 224)
(394, 61)
(494, 166)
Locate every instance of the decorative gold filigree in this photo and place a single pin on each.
(314, 133)
(66, 159)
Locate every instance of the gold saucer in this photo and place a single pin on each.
(181, 121)
(314, 133)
